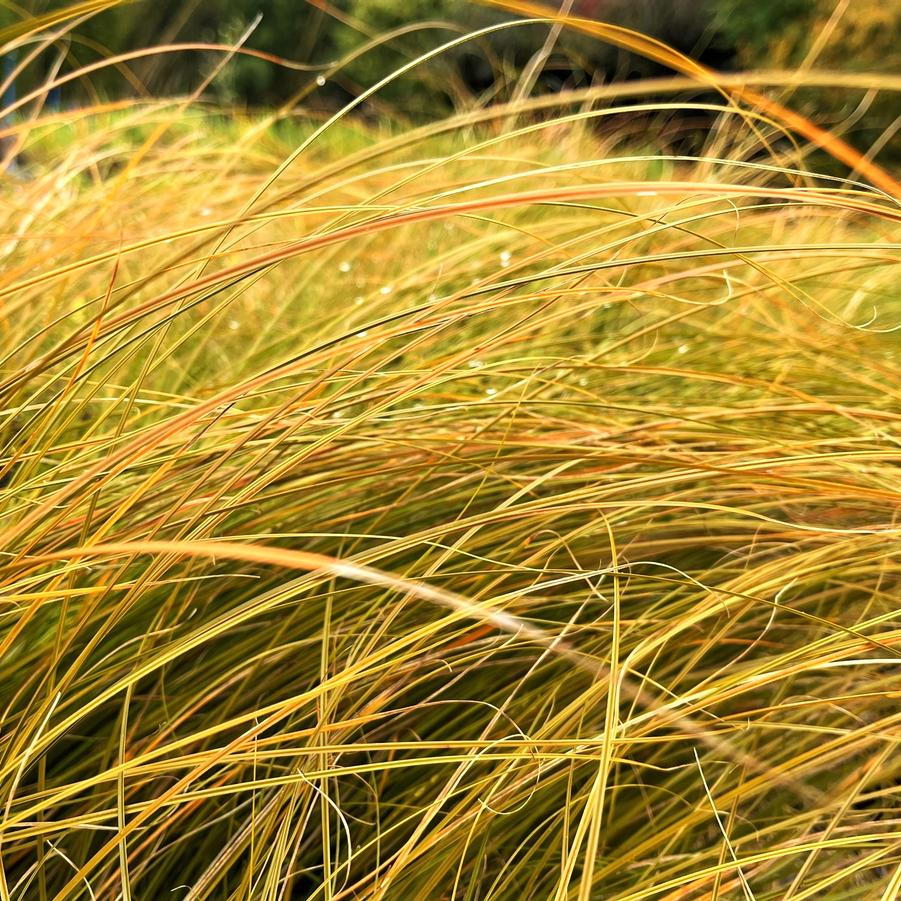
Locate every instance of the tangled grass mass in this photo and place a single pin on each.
(505, 507)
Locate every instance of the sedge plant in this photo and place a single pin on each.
(500, 507)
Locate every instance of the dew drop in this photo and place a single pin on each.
(320, 80)
(344, 266)
(234, 325)
(491, 391)
(386, 289)
(475, 364)
(682, 349)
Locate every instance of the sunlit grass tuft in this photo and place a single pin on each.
(506, 508)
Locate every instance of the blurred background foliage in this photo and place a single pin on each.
(863, 34)
(860, 35)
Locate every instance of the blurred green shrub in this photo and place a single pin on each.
(764, 33)
(780, 33)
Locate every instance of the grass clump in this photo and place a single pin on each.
(485, 510)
